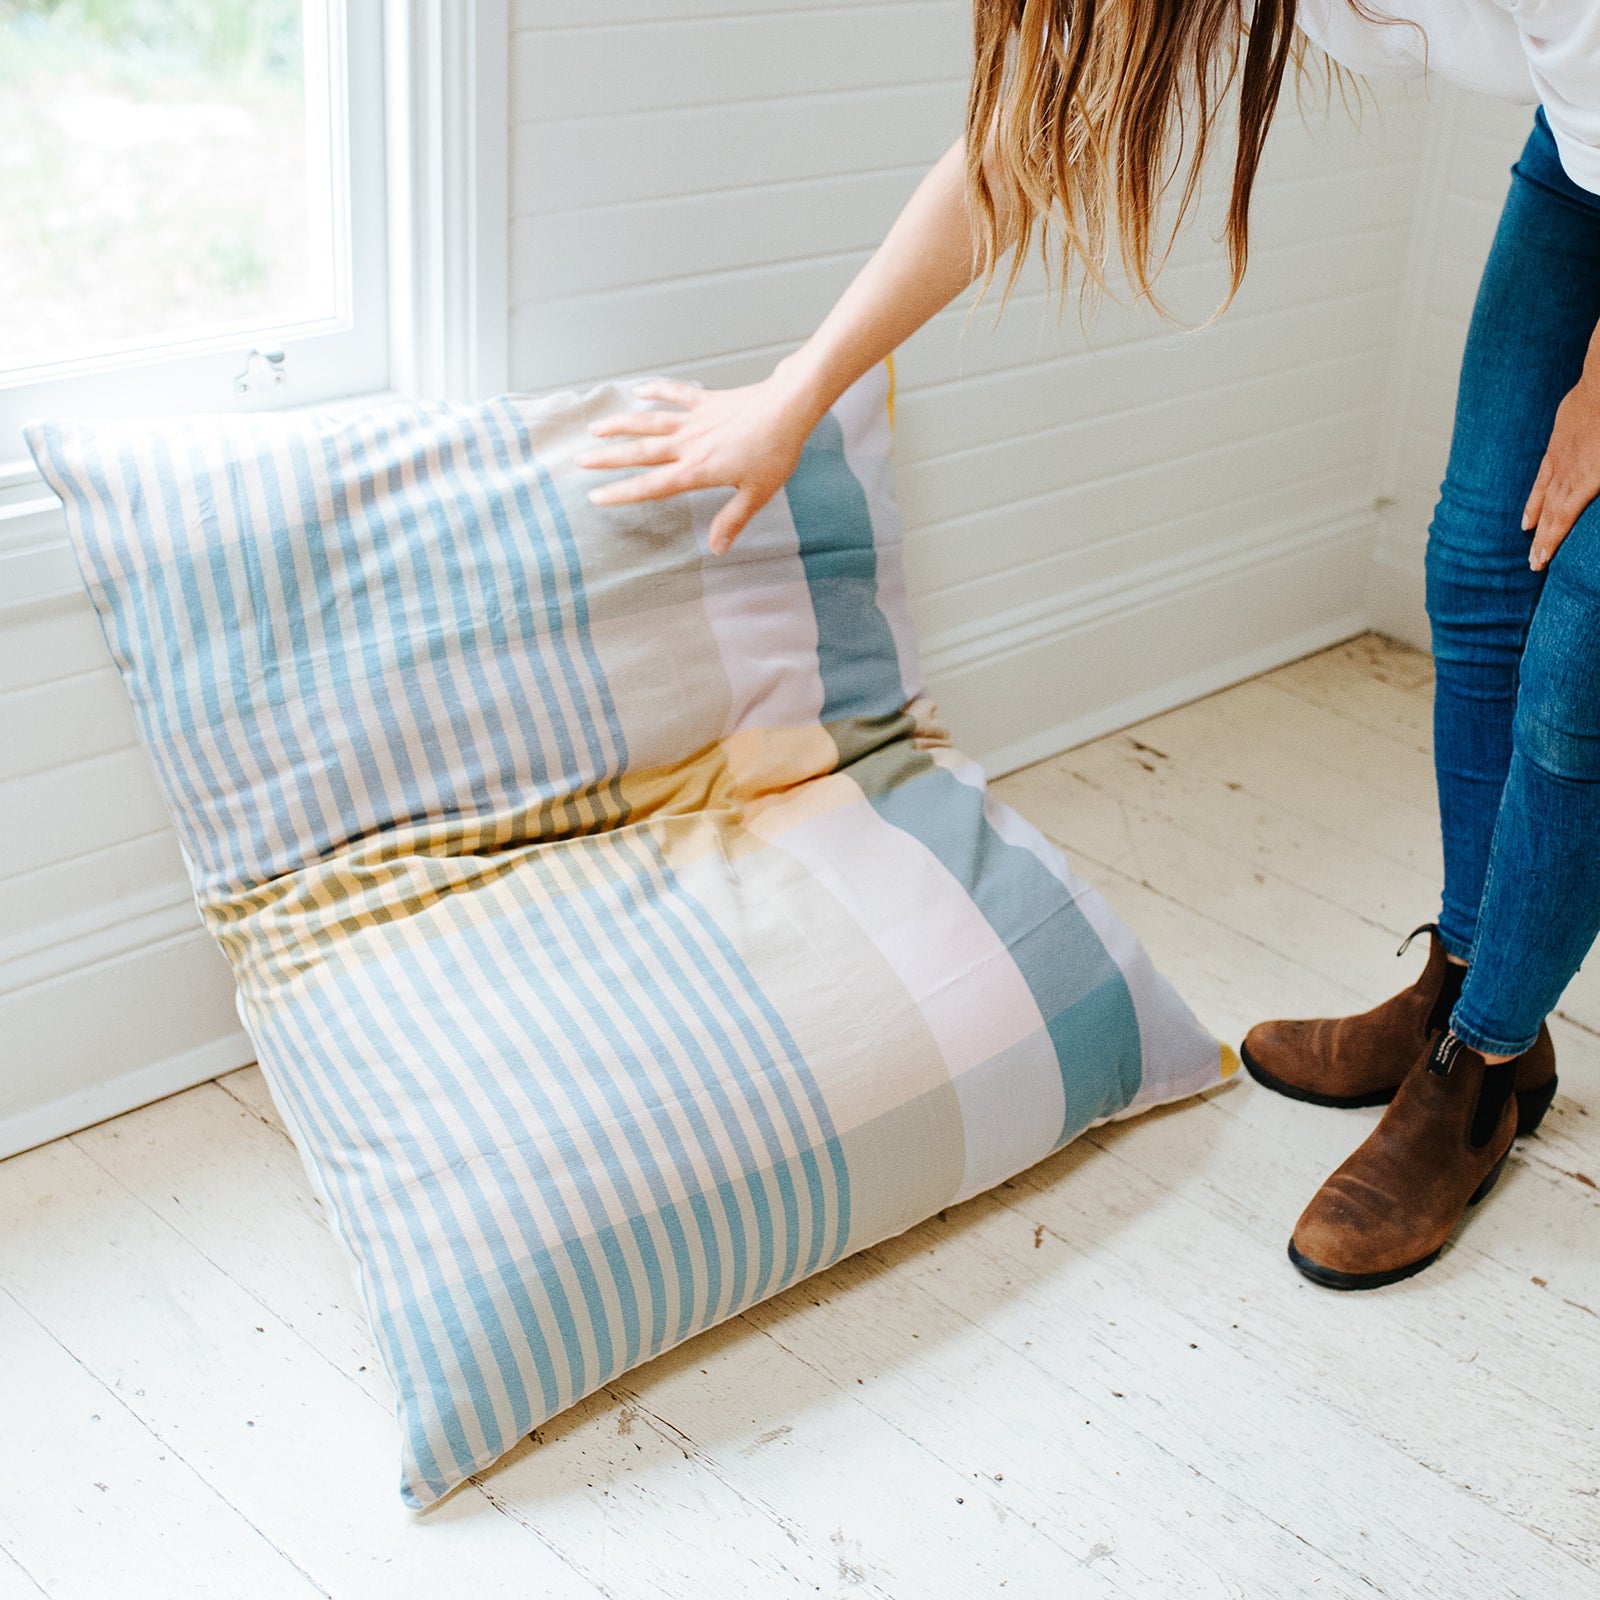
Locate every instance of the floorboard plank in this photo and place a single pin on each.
(1446, 1372)
(1367, 1503)
(301, 1452)
(1371, 682)
(998, 1415)
(90, 1490)
(16, 1583)
(1132, 803)
(1335, 795)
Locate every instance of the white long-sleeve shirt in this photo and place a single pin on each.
(1528, 50)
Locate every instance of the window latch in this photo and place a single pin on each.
(263, 370)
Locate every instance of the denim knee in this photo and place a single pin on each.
(1558, 737)
(1479, 601)
(1557, 721)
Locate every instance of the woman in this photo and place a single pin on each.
(1073, 121)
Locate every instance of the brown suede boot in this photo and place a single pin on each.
(1387, 1212)
(1361, 1060)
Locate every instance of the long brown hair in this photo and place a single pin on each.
(1084, 115)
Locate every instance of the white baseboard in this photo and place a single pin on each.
(147, 1011)
(40, 1124)
(1050, 676)
(1080, 729)
(1397, 594)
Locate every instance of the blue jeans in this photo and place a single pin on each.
(1516, 711)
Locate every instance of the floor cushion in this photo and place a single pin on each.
(621, 938)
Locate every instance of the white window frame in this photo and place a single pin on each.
(434, 195)
(447, 64)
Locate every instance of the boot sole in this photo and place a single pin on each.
(1292, 1091)
(1531, 1103)
(1332, 1278)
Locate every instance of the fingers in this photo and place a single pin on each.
(658, 485)
(1556, 517)
(667, 481)
(688, 395)
(643, 453)
(1569, 474)
(732, 520)
(637, 422)
(1535, 506)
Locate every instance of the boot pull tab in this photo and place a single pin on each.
(1425, 927)
(1444, 1053)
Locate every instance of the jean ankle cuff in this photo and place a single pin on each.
(1487, 1044)
(1458, 948)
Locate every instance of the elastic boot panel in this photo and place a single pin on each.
(1498, 1083)
(1449, 993)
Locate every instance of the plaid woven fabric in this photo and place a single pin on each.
(620, 937)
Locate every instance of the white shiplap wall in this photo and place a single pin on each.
(110, 992)
(1093, 532)
(1466, 169)
(1096, 527)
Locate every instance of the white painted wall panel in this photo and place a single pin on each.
(1466, 172)
(110, 992)
(596, 67)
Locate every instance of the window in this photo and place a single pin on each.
(194, 194)
(185, 182)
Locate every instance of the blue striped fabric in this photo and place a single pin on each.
(620, 938)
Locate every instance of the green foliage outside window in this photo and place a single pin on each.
(152, 172)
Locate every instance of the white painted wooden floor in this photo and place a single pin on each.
(1102, 1380)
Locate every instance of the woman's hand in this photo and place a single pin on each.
(750, 439)
(746, 439)
(1569, 476)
